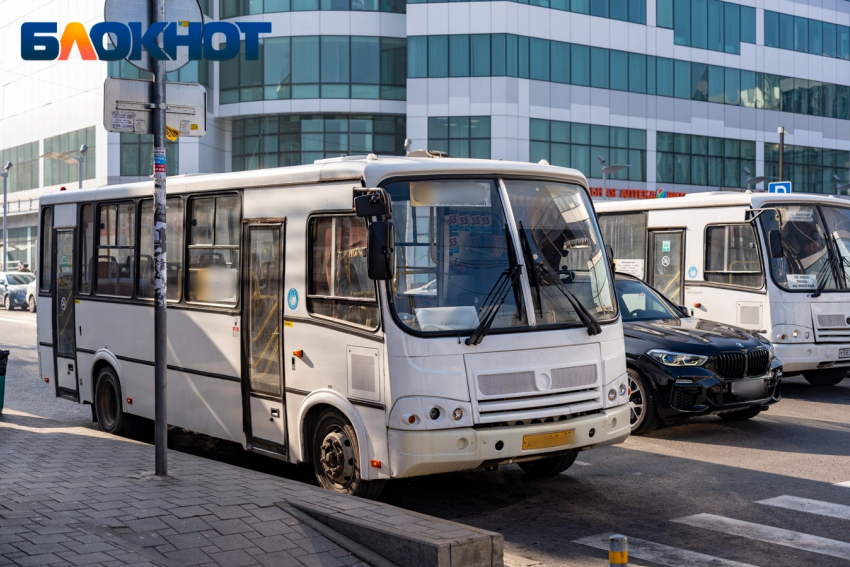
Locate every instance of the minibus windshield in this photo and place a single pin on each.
(454, 242)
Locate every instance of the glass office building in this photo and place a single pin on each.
(687, 93)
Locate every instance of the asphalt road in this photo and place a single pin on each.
(686, 495)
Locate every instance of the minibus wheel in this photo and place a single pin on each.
(550, 466)
(643, 413)
(826, 377)
(107, 403)
(336, 452)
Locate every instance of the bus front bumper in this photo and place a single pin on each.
(416, 453)
(808, 356)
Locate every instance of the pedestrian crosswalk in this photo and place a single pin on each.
(659, 554)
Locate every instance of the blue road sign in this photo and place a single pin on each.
(779, 187)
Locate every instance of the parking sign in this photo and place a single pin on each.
(779, 187)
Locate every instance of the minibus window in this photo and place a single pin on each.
(116, 250)
(805, 263)
(838, 227)
(626, 233)
(87, 231)
(731, 255)
(173, 249)
(214, 249)
(46, 245)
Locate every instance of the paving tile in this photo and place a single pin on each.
(235, 558)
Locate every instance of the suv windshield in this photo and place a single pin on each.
(639, 303)
(453, 243)
(807, 261)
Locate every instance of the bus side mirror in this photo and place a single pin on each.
(374, 204)
(380, 250)
(775, 242)
(609, 251)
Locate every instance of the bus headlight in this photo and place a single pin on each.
(457, 415)
(418, 413)
(612, 395)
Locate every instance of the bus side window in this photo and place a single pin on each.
(46, 245)
(86, 262)
(731, 255)
(174, 249)
(339, 286)
(214, 239)
(115, 260)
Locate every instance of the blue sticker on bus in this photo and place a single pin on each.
(692, 272)
(292, 298)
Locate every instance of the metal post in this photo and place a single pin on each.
(604, 187)
(5, 224)
(159, 249)
(781, 131)
(618, 551)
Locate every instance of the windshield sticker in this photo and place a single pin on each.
(629, 266)
(799, 215)
(449, 194)
(692, 272)
(802, 281)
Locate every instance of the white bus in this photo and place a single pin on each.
(487, 334)
(771, 263)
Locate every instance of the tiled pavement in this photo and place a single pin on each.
(74, 496)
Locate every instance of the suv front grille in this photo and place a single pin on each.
(738, 364)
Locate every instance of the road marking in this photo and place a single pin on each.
(17, 320)
(811, 506)
(582, 463)
(847, 484)
(662, 554)
(769, 534)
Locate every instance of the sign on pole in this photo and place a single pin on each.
(127, 107)
(779, 187)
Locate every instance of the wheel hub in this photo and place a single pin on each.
(635, 401)
(337, 457)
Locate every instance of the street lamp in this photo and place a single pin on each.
(71, 160)
(755, 180)
(608, 170)
(839, 187)
(5, 175)
(781, 131)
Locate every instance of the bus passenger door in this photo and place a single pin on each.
(666, 248)
(63, 316)
(262, 376)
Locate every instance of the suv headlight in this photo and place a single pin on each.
(669, 358)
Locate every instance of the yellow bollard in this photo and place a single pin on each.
(618, 551)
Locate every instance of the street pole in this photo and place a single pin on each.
(80, 161)
(159, 249)
(5, 175)
(781, 131)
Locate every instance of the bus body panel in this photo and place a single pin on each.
(65, 216)
(44, 325)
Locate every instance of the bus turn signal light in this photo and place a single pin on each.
(46, 379)
(298, 353)
(697, 305)
(129, 401)
(376, 464)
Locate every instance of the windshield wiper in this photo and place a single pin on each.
(493, 302)
(823, 275)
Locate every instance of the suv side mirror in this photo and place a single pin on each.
(380, 250)
(774, 240)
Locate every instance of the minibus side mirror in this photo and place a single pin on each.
(609, 251)
(380, 250)
(775, 241)
(684, 310)
(374, 204)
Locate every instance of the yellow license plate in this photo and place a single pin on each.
(546, 440)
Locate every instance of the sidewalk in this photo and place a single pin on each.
(75, 496)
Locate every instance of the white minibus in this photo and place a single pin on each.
(378, 317)
(777, 264)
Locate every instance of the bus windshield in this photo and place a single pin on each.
(454, 243)
(807, 261)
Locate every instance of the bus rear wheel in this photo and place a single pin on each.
(336, 453)
(828, 377)
(107, 403)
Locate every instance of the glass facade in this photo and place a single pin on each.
(24, 172)
(460, 136)
(810, 170)
(704, 160)
(193, 72)
(281, 140)
(137, 156)
(708, 24)
(55, 171)
(235, 8)
(625, 10)
(571, 144)
(785, 31)
(21, 246)
(329, 66)
(499, 55)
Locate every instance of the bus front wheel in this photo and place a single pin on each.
(107, 403)
(550, 466)
(336, 452)
(828, 377)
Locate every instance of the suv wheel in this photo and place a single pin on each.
(31, 304)
(644, 412)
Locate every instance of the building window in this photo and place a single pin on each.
(808, 36)
(174, 249)
(460, 136)
(21, 247)
(810, 170)
(633, 11)
(731, 255)
(215, 233)
(708, 24)
(577, 145)
(137, 156)
(277, 141)
(55, 171)
(116, 249)
(356, 67)
(511, 56)
(339, 285)
(24, 172)
(236, 8)
(193, 72)
(703, 160)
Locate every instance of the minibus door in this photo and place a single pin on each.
(262, 376)
(63, 316)
(665, 263)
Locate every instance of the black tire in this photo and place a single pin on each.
(31, 304)
(336, 457)
(741, 415)
(550, 466)
(107, 404)
(643, 413)
(826, 377)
